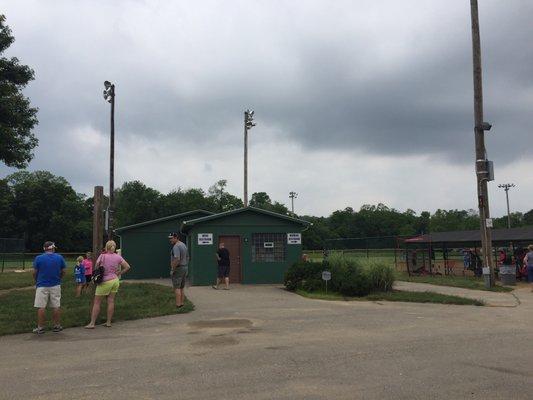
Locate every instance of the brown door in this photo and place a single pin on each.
(233, 244)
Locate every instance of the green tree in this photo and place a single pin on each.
(223, 200)
(260, 200)
(527, 218)
(516, 221)
(135, 202)
(179, 201)
(47, 208)
(454, 220)
(9, 225)
(17, 117)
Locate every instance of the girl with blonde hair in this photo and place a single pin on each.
(114, 267)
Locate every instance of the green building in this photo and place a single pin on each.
(262, 245)
(145, 245)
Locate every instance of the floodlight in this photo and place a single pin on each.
(107, 84)
(485, 126)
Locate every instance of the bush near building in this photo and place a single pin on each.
(349, 276)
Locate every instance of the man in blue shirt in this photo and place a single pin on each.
(48, 269)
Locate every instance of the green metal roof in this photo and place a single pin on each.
(190, 223)
(170, 217)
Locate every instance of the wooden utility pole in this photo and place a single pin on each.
(98, 225)
(245, 161)
(109, 96)
(111, 170)
(248, 124)
(482, 171)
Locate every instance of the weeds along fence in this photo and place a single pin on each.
(23, 261)
(392, 250)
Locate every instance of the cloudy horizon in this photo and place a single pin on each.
(355, 104)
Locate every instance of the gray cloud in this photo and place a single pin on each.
(377, 77)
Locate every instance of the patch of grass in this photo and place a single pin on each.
(450, 280)
(133, 301)
(395, 295)
(10, 280)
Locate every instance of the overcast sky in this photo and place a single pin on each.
(356, 102)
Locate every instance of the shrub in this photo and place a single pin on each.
(303, 275)
(381, 276)
(349, 276)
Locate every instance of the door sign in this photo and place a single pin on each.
(205, 239)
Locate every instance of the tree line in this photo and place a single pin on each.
(38, 206)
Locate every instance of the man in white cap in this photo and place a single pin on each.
(48, 269)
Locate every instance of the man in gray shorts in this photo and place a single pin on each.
(179, 267)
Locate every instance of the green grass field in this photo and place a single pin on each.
(134, 301)
(450, 280)
(412, 297)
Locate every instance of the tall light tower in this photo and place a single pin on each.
(109, 96)
(248, 124)
(506, 187)
(293, 195)
(484, 170)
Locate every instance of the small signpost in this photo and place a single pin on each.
(326, 276)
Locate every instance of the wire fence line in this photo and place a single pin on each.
(23, 261)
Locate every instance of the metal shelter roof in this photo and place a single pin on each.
(188, 224)
(155, 221)
(523, 234)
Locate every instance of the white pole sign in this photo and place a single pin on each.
(205, 239)
(294, 238)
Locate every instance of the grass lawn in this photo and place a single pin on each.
(9, 280)
(395, 295)
(450, 280)
(134, 301)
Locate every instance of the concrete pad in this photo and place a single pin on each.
(261, 342)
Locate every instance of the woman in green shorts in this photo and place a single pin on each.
(114, 266)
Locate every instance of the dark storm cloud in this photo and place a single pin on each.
(317, 79)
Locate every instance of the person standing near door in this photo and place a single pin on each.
(179, 267)
(223, 266)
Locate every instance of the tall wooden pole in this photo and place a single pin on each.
(245, 159)
(111, 207)
(98, 226)
(479, 133)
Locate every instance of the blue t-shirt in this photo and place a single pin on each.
(79, 273)
(48, 267)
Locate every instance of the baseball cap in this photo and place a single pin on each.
(49, 245)
(173, 234)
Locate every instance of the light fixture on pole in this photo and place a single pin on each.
(109, 96)
(248, 124)
(506, 187)
(293, 195)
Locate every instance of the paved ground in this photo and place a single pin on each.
(260, 342)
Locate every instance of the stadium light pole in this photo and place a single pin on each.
(293, 195)
(248, 124)
(109, 96)
(506, 187)
(483, 166)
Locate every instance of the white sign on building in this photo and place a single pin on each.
(205, 239)
(294, 238)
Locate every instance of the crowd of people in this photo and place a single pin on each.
(104, 276)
